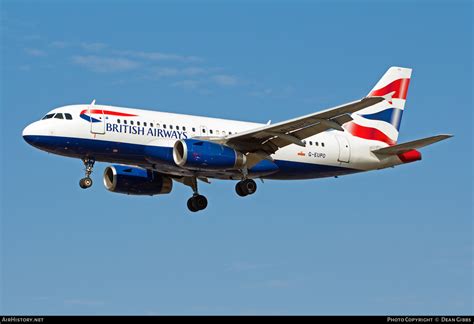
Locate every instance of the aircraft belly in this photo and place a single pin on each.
(161, 159)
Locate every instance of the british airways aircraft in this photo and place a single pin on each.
(151, 149)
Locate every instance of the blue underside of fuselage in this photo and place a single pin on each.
(161, 158)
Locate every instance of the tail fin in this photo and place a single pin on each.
(381, 122)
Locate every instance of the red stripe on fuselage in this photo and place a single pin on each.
(400, 87)
(107, 112)
(368, 133)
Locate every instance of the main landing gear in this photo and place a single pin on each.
(245, 187)
(197, 202)
(86, 182)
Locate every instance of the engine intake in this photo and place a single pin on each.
(136, 181)
(198, 154)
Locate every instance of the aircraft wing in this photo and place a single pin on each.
(268, 139)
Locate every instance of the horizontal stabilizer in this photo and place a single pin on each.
(408, 146)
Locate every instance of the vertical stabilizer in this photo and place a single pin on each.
(381, 122)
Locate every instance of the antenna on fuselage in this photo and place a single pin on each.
(89, 109)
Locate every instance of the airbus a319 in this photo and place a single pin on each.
(150, 150)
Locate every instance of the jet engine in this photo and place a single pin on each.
(136, 181)
(205, 155)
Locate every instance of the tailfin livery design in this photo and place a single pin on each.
(381, 122)
(151, 150)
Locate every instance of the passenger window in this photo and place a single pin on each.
(125, 122)
(118, 121)
(48, 116)
(131, 122)
(68, 116)
(194, 129)
(59, 116)
(177, 127)
(171, 126)
(151, 125)
(138, 123)
(210, 131)
(203, 130)
(322, 144)
(184, 128)
(164, 125)
(317, 144)
(144, 124)
(310, 143)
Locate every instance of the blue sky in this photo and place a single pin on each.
(392, 241)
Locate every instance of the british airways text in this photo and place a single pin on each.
(148, 131)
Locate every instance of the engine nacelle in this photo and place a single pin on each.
(198, 154)
(136, 181)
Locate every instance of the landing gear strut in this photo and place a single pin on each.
(197, 202)
(86, 182)
(245, 187)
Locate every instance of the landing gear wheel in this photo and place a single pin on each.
(239, 190)
(85, 183)
(249, 186)
(200, 202)
(196, 203)
(191, 205)
(246, 187)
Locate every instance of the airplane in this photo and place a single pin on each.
(149, 150)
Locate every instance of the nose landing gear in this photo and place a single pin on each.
(86, 182)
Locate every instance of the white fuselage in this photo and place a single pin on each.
(125, 135)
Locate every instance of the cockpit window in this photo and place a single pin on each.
(59, 116)
(48, 116)
(68, 116)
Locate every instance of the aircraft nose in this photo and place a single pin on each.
(29, 134)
